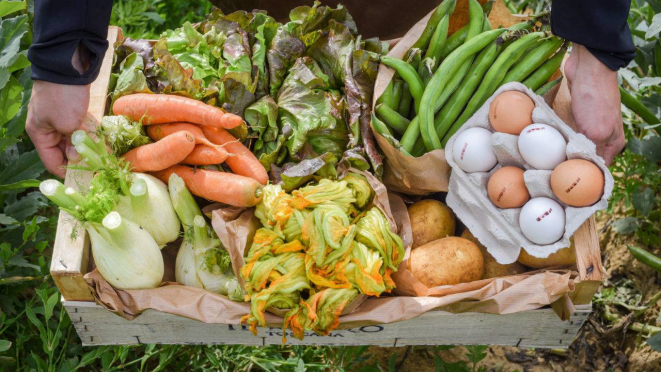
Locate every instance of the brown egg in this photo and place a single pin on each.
(510, 112)
(507, 189)
(577, 182)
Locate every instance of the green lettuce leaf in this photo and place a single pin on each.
(284, 50)
(131, 78)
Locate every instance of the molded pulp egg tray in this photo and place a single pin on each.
(498, 229)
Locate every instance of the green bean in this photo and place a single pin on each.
(387, 96)
(411, 135)
(636, 106)
(392, 118)
(646, 257)
(463, 70)
(457, 101)
(548, 86)
(396, 93)
(446, 7)
(438, 40)
(405, 102)
(426, 70)
(379, 126)
(413, 57)
(408, 73)
(534, 59)
(383, 130)
(545, 71)
(418, 148)
(454, 41)
(448, 69)
(492, 79)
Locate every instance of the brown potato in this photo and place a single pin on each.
(492, 269)
(563, 257)
(430, 220)
(447, 261)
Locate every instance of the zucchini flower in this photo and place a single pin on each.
(361, 188)
(274, 275)
(374, 231)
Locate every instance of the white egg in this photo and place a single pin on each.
(472, 150)
(542, 221)
(542, 146)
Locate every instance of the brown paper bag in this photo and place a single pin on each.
(429, 173)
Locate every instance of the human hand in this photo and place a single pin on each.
(595, 101)
(54, 113)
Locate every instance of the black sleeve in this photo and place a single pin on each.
(59, 27)
(599, 25)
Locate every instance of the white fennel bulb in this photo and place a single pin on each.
(149, 205)
(126, 255)
(184, 270)
(202, 261)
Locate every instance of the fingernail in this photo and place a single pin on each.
(72, 154)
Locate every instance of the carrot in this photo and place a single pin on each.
(205, 155)
(166, 108)
(241, 160)
(160, 131)
(227, 188)
(159, 155)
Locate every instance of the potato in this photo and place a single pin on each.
(447, 261)
(492, 269)
(563, 257)
(430, 220)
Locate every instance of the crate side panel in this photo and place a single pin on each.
(539, 328)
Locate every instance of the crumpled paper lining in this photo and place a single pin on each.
(498, 229)
(430, 172)
(235, 228)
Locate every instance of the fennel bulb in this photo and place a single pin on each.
(202, 261)
(148, 204)
(125, 254)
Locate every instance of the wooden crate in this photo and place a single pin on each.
(97, 326)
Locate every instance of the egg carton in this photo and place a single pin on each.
(498, 229)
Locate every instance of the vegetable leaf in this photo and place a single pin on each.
(643, 200)
(655, 27)
(28, 166)
(285, 49)
(626, 225)
(11, 32)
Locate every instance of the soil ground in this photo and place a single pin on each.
(598, 347)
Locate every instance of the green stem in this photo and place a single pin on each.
(90, 156)
(182, 201)
(57, 193)
(200, 231)
(641, 110)
(139, 193)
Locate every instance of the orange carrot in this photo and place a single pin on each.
(210, 150)
(241, 160)
(166, 108)
(227, 188)
(159, 155)
(205, 155)
(159, 131)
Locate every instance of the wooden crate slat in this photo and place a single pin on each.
(534, 328)
(70, 256)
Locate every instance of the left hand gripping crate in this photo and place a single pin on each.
(540, 328)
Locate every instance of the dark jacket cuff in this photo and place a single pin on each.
(51, 60)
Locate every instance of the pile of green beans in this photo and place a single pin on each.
(445, 78)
